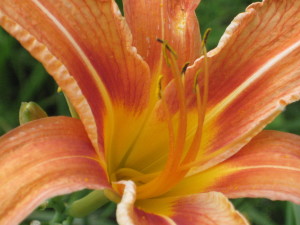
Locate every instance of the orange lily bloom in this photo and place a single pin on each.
(170, 143)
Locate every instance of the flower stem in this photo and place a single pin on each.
(88, 204)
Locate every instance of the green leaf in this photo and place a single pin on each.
(296, 209)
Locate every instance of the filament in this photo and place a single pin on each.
(195, 147)
(176, 145)
(176, 166)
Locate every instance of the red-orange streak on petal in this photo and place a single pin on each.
(252, 76)
(92, 41)
(205, 209)
(42, 159)
(268, 166)
(173, 21)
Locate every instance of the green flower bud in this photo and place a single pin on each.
(30, 111)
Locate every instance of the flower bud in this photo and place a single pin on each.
(30, 111)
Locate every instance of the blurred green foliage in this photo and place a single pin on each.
(24, 79)
(217, 14)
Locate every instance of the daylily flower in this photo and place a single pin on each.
(170, 143)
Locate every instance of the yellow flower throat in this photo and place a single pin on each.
(180, 159)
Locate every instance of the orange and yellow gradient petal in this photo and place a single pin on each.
(199, 119)
(268, 166)
(252, 77)
(43, 159)
(254, 100)
(90, 56)
(207, 209)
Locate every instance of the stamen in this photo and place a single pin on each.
(166, 179)
(196, 143)
(196, 80)
(182, 126)
(180, 87)
(176, 165)
(166, 47)
(201, 108)
(170, 128)
(159, 185)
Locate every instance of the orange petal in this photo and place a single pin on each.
(42, 159)
(86, 47)
(170, 20)
(207, 209)
(268, 166)
(252, 76)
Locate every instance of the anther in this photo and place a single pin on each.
(205, 36)
(159, 86)
(167, 46)
(184, 68)
(160, 40)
